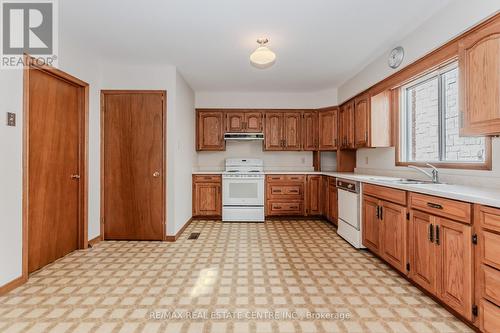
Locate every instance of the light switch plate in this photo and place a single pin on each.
(11, 119)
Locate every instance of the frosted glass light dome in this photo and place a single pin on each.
(262, 57)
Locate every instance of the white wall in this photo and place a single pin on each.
(446, 24)
(184, 156)
(451, 21)
(11, 100)
(270, 100)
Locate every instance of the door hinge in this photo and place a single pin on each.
(475, 310)
(474, 239)
(408, 266)
(102, 220)
(408, 216)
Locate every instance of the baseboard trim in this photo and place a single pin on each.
(178, 234)
(12, 285)
(95, 240)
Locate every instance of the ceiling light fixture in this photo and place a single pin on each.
(262, 57)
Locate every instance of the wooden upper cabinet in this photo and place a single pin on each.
(210, 130)
(479, 80)
(235, 122)
(249, 121)
(361, 119)
(310, 130)
(423, 253)
(253, 122)
(273, 138)
(292, 131)
(327, 128)
(347, 125)
(380, 126)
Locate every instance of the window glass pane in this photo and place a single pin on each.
(423, 106)
(462, 149)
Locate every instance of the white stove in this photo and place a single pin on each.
(243, 190)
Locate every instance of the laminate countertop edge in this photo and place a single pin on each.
(479, 195)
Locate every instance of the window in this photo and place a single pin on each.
(430, 124)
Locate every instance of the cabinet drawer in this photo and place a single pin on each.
(385, 193)
(207, 178)
(275, 178)
(491, 284)
(488, 217)
(489, 317)
(285, 191)
(295, 178)
(452, 209)
(491, 249)
(285, 208)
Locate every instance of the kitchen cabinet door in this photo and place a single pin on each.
(327, 126)
(455, 268)
(423, 251)
(371, 224)
(253, 122)
(310, 130)
(235, 122)
(273, 138)
(210, 130)
(380, 129)
(393, 234)
(207, 199)
(292, 131)
(347, 126)
(479, 81)
(313, 195)
(361, 116)
(332, 201)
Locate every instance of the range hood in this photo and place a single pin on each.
(243, 136)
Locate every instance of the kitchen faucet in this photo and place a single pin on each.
(434, 174)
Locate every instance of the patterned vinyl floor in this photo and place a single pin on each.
(281, 276)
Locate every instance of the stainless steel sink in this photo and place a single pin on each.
(411, 181)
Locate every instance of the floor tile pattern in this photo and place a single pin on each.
(280, 276)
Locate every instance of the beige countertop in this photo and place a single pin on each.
(481, 195)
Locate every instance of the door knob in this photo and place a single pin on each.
(75, 176)
(156, 174)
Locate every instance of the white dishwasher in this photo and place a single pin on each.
(349, 223)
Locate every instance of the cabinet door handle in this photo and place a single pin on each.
(431, 233)
(381, 213)
(378, 212)
(277, 207)
(437, 235)
(433, 205)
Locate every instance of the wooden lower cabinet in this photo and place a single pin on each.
(371, 224)
(332, 212)
(487, 222)
(207, 196)
(441, 259)
(314, 199)
(393, 234)
(285, 195)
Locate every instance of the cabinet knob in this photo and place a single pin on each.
(156, 174)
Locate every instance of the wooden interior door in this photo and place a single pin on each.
(292, 131)
(393, 235)
(371, 224)
(253, 122)
(235, 122)
(133, 164)
(455, 265)
(328, 122)
(273, 138)
(310, 130)
(55, 173)
(423, 253)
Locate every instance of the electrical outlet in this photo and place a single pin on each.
(11, 119)
(366, 159)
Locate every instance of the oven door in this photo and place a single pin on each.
(243, 191)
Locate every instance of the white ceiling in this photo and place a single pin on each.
(319, 43)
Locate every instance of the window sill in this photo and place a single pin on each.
(486, 166)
